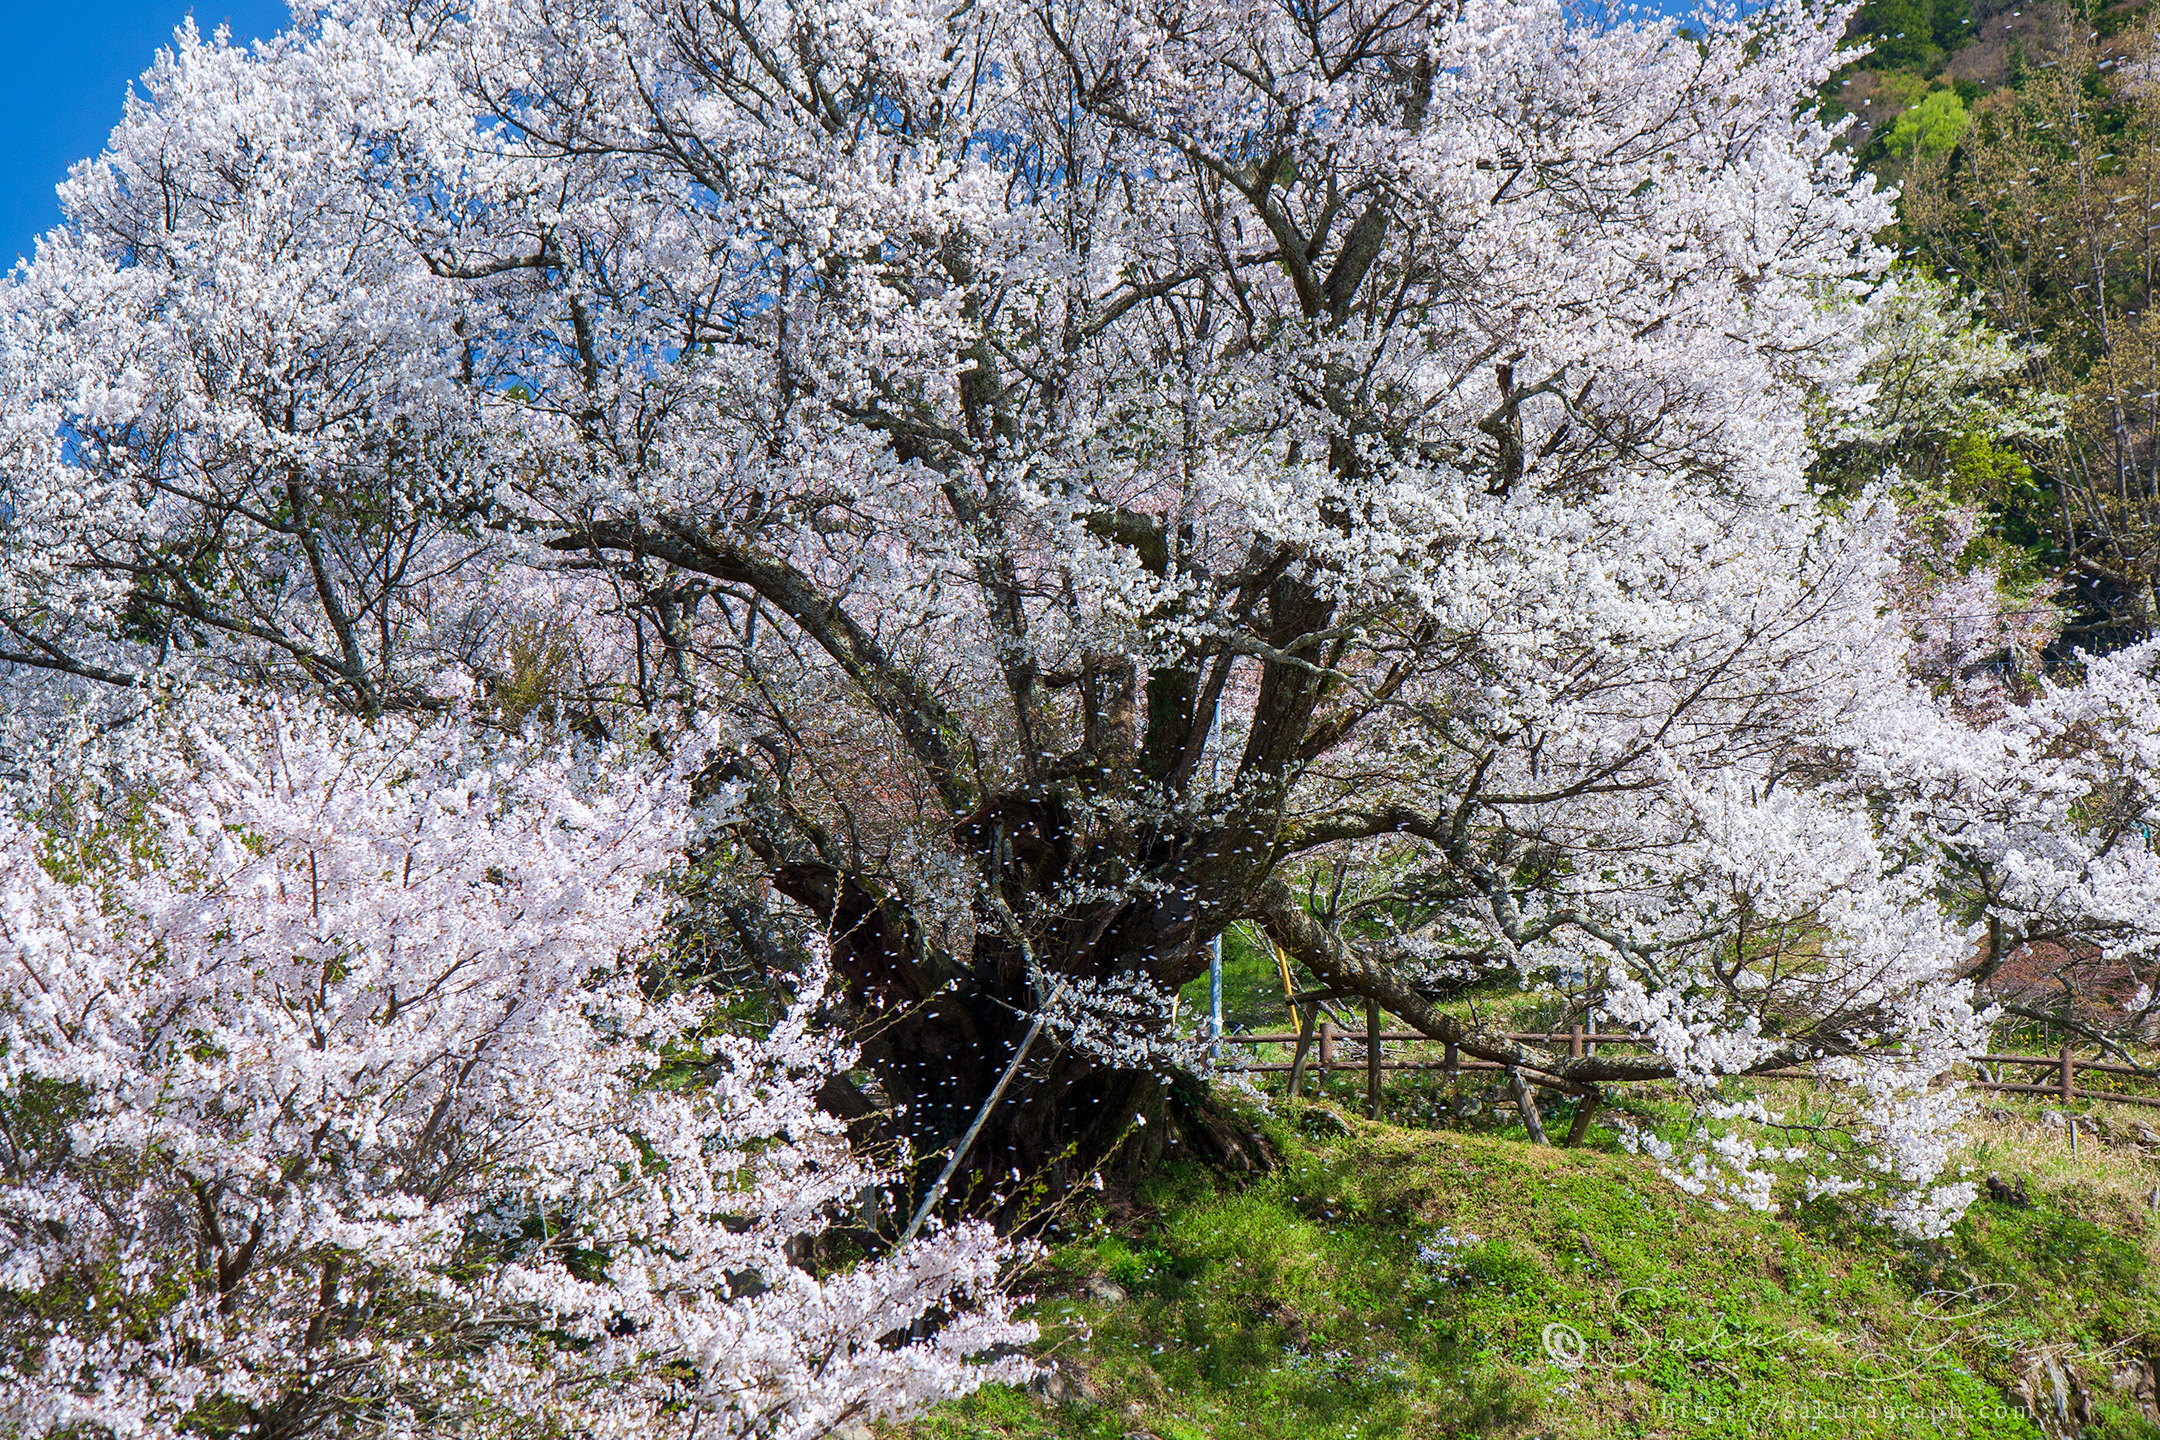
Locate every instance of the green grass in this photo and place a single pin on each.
(1299, 1306)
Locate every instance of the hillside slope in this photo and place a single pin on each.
(1395, 1282)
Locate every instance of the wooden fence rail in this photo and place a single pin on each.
(2048, 1074)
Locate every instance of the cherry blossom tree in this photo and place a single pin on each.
(1094, 464)
(332, 1102)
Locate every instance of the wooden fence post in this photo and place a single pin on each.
(1585, 1109)
(2066, 1071)
(1372, 1058)
(1527, 1104)
(1574, 1043)
(1327, 1050)
(1307, 1014)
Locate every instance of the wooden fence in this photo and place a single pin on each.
(1340, 1048)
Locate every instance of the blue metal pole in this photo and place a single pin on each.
(1214, 986)
(1215, 946)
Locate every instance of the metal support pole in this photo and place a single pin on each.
(1214, 986)
(937, 1191)
(1214, 728)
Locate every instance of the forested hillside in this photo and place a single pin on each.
(2021, 140)
(654, 656)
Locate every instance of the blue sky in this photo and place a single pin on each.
(64, 69)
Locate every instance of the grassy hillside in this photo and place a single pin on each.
(1406, 1282)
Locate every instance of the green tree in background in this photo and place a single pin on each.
(1901, 32)
(1931, 127)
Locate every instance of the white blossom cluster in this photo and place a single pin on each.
(1127, 1022)
(330, 1102)
(1104, 462)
